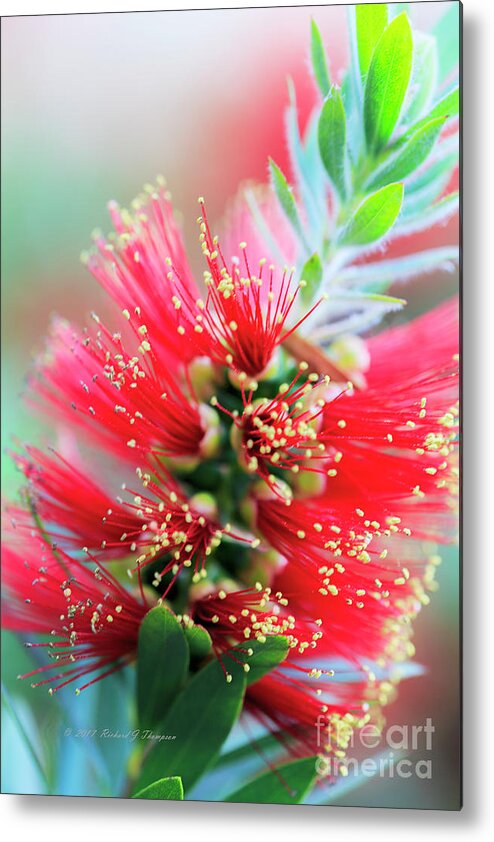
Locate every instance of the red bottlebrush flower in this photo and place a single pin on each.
(396, 438)
(133, 403)
(362, 638)
(74, 509)
(144, 266)
(92, 621)
(181, 531)
(245, 316)
(240, 616)
(394, 435)
(372, 622)
(387, 451)
(133, 266)
(310, 712)
(280, 432)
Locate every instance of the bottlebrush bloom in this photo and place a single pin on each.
(247, 311)
(180, 532)
(75, 510)
(92, 621)
(144, 268)
(133, 266)
(255, 613)
(371, 623)
(337, 479)
(386, 451)
(279, 432)
(128, 402)
(315, 700)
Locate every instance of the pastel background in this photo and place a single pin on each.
(93, 106)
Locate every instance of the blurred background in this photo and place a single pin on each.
(93, 107)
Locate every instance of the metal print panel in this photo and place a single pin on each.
(232, 473)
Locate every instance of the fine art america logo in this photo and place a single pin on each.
(393, 750)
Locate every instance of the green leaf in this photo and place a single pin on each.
(166, 789)
(443, 162)
(447, 33)
(409, 157)
(198, 723)
(387, 82)
(287, 785)
(373, 217)
(311, 274)
(286, 199)
(319, 62)
(332, 140)
(261, 658)
(424, 77)
(447, 107)
(162, 664)
(198, 640)
(371, 21)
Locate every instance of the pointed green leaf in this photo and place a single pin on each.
(311, 274)
(371, 21)
(166, 789)
(196, 725)
(319, 62)
(409, 157)
(287, 785)
(261, 658)
(286, 199)
(387, 82)
(373, 217)
(162, 664)
(332, 140)
(444, 162)
(447, 107)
